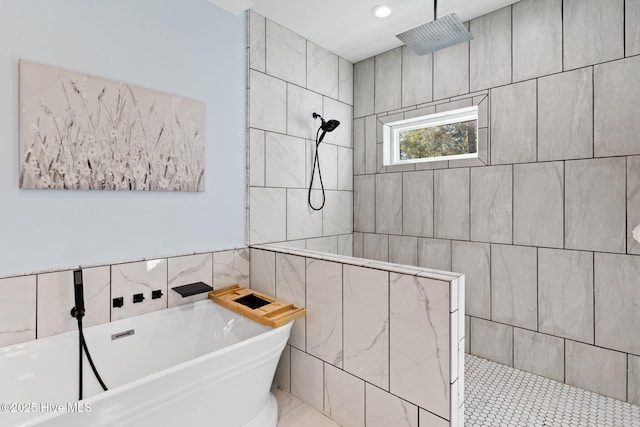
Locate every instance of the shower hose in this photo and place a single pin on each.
(82, 344)
(316, 161)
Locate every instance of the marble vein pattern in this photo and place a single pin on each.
(286, 54)
(491, 204)
(343, 134)
(263, 271)
(490, 50)
(376, 246)
(138, 277)
(434, 253)
(633, 205)
(451, 203)
(307, 379)
(491, 340)
(366, 324)
(337, 213)
(417, 78)
(363, 88)
(293, 412)
(419, 366)
(417, 197)
(389, 203)
(384, 409)
(17, 310)
(256, 157)
(189, 269)
(616, 291)
(371, 144)
(257, 28)
(388, 77)
(290, 287)
(303, 222)
(267, 102)
(324, 305)
(285, 161)
(322, 70)
(345, 84)
(403, 250)
(595, 203)
(231, 267)
(565, 294)
(632, 27)
(282, 377)
(343, 397)
(300, 103)
(473, 260)
(451, 71)
(56, 298)
(267, 216)
(538, 353)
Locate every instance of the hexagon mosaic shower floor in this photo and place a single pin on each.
(497, 395)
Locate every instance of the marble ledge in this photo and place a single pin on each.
(428, 273)
(107, 264)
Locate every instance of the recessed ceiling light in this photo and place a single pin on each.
(381, 11)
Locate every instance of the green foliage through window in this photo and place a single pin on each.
(443, 140)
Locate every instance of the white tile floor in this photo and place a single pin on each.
(496, 396)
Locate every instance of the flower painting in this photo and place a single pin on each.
(80, 132)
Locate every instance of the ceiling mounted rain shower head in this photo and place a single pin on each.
(437, 34)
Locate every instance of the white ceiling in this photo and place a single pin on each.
(347, 28)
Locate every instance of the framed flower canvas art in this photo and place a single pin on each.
(81, 132)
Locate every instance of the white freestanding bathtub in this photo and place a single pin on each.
(198, 364)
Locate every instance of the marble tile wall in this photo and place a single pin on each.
(38, 305)
(545, 224)
(383, 341)
(289, 79)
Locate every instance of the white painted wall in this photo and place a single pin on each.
(185, 47)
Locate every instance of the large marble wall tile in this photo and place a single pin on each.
(417, 78)
(451, 204)
(491, 340)
(376, 247)
(419, 342)
(473, 260)
(285, 161)
(384, 409)
(616, 92)
(595, 205)
(322, 70)
(263, 271)
(188, 269)
(138, 278)
(632, 27)
(596, 369)
(491, 203)
(366, 324)
(513, 123)
(417, 203)
(231, 267)
(301, 104)
(617, 306)
(358, 245)
(267, 102)
(430, 420)
(538, 353)
(593, 32)
(256, 158)
(538, 198)
(389, 203)
(490, 50)
(324, 308)
(363, 87)
(364, 198)
(388, 79)
(56, 298)
(343, 397)
(282, 377)
(633, 204)
(345, 83)
(565, 294)
(537, 38)
(307, 378)
(633, 393)
(345, 169)
(302, 221)
(371, 144)
(267, 215)
(290, 287)
(565, 116)
(358, 146)
(403, 250)
(257, 39)
(337, 213)
(451, 71)
(323, 244)
(336, 110)
(286, 54)
(514, 285)
(345, 244)
(434, 253)
(18, 310)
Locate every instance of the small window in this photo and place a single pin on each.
(442, 136)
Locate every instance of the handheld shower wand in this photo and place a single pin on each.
(325, 126)
(78, 310)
